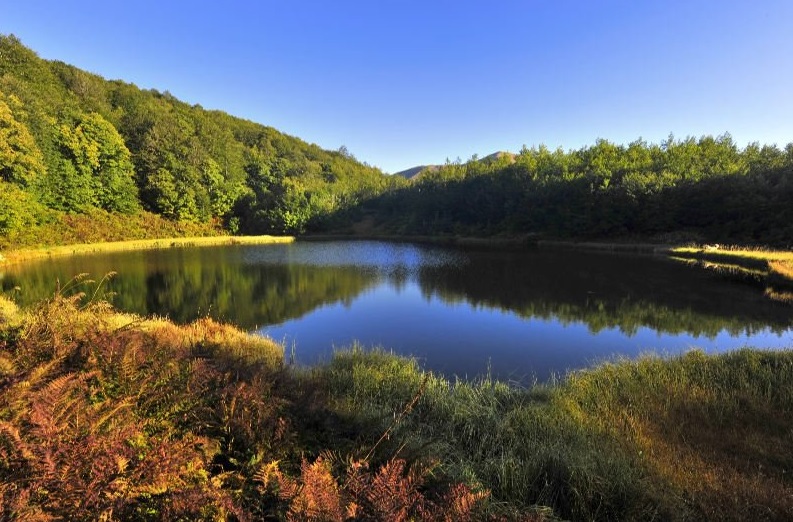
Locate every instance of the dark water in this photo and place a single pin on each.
(518, 315)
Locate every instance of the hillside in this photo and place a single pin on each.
(75, 144)
(85, 159)
(705, 189)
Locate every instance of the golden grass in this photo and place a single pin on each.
(783, 268)
(15, 256)
(772, 267)
(10, 314)
(713, 432)
(737, 253)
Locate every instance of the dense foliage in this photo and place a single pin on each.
(691, 189)
(72, 142)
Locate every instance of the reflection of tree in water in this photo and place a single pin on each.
(607, 291)
(602, 291)
(193, 283)
(252, 296)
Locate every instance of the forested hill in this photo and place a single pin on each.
(705, 189)
(85, 159)
(75, 144)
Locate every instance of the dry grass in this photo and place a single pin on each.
(783, 268)
(736, 254)
(140, 244)
(771, 268)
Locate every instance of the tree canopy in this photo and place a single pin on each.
(76, 142)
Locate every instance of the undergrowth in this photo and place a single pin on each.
(113, 417)
(98, 226)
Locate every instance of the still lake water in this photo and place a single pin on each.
(518, 315)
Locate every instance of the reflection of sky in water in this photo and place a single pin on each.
(385, 258)
(460, 339)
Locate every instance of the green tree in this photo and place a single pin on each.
(20, 159)
(113, 172)
(100, 173)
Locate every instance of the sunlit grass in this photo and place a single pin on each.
(141, 244)
(692, 437)
(782, 267)
(737, 253)
(10, 315)
(771, 268)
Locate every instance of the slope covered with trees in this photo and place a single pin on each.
(690, 189)
(80, 154)
(73, 143)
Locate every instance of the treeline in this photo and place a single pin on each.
(75, 144)
(705, 189)
(72, 143)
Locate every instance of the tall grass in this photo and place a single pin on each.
(104, 415)
(688, 438)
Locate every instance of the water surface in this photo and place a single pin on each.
(519, 316)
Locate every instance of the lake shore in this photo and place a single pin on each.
(778, 263)
(26, 254)
(520, 242)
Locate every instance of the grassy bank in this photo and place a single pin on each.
(773, 269)
(105, 414)
(139, 244)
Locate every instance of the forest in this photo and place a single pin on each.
(75, 144)
(84, 159)
(681, 190)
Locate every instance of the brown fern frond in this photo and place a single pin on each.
(51, 405)
(318, 498)
(107, 414)
(288, 488)
(131, 359)
(12, 447)
(392, 493)
(459, 504)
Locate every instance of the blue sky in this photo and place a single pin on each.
(404, 83)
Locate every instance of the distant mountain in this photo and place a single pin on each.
(416, 172)
(497, 156)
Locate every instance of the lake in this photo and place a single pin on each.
(519, 316)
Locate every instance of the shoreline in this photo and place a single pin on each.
(524, 242)
(777, 264)
(27, 254)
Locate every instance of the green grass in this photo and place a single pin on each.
(107, 414)
(692, 437)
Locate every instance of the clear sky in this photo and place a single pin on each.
(405, 83)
